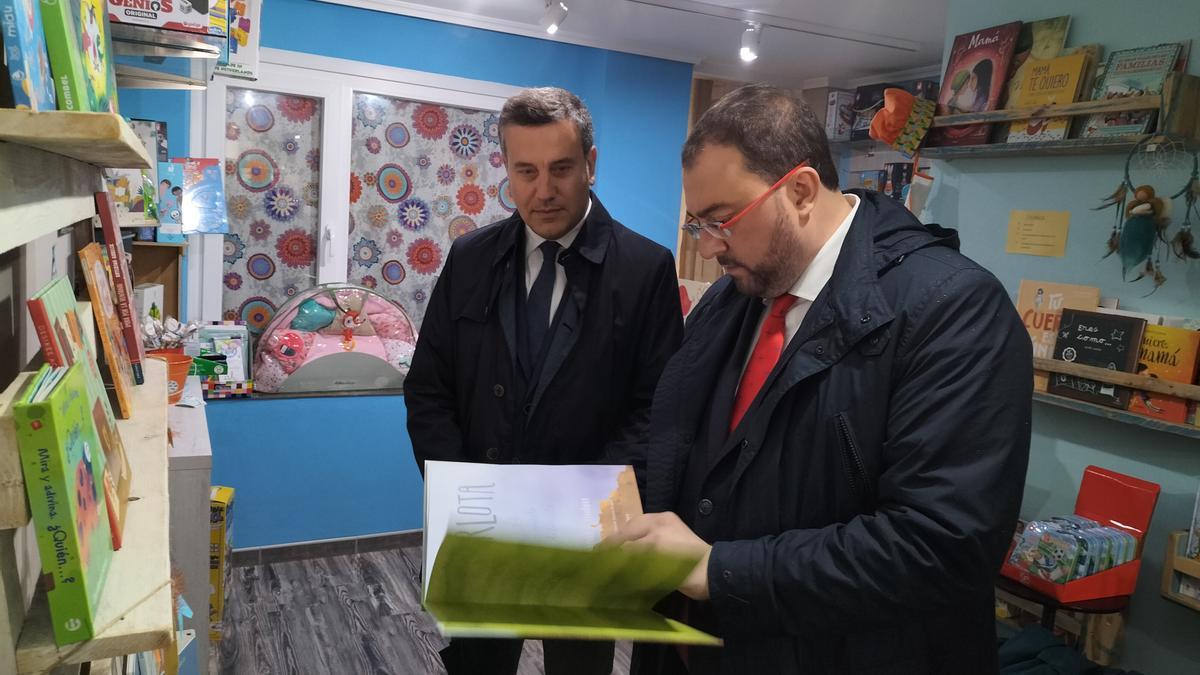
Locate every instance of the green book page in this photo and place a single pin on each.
(479, 585)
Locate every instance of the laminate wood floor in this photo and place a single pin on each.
(344, 615)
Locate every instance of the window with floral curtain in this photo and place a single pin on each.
(421, 176)
(272, 184)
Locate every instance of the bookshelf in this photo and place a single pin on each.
(1188, 391)
(101, 139)
(135, 612)
(1176, 563)
(1178, 107)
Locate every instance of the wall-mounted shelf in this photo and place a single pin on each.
(1178, 108)
(1116, 415)
(102, 139)
(135, 612)
(1175, 564)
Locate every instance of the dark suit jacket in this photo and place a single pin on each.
(619, 323)
(861, 510)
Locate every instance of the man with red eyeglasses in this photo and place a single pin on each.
(843, 436)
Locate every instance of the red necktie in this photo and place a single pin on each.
(771, 339)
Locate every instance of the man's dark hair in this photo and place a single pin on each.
(543, 105)
(774, 131)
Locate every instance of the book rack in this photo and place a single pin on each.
(135, 612)
(1141, 382)
(1175, 563)
(1178, 106)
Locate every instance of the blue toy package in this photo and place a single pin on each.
(25, 83)
(1065, 548)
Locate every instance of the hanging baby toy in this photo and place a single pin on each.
(1139, 233)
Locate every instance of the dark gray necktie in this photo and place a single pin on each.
(537, 304)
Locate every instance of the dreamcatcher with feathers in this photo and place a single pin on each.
(1139, 234)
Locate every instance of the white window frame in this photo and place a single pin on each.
(333, 81)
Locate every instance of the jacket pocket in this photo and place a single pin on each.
(856, 470)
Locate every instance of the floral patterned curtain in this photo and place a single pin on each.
(421, 176)
(272, 186)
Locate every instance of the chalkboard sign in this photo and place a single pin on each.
(1100, 340)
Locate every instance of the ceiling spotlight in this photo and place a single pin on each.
(751, 36)
(555, 14)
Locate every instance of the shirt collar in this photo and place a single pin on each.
(820, 270)
(533, 240)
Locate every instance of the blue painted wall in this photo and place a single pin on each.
(320, 468)
(976, 197)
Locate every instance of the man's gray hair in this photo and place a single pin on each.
(543, 105)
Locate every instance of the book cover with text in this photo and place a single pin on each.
(975, 77)
(1131, 72)
(1167, 354)
(1047, 82)
(1040, 304)
(63, 464)
(1100, 340)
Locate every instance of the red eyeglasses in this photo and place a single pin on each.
(720, 228)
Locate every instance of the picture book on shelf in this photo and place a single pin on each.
(61, 334)
(1049, 81)
(1193, 540)
(1167, 354)
(1099, 340)
(1040, 305)
(104, 307)
(132, 190)
(511, 551)
(975, 78)
(122, 279)
(203, 207)
(1131, 72)
(169, 204)
(81, 57)
(1039, 40)
(25, 81)
(63, 467)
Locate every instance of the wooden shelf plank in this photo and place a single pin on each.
(1166, 387)
(102, 139)
(135, 606)
(1153, 102)
(1116, 415)
(1070, 146)
(41, 192)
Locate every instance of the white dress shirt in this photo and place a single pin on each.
(533, 260)
(812, 281)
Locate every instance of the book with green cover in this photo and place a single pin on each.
(514, 551)
(81, 60)
(63, 465)
(61, 334)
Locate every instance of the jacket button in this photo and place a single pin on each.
(493, 454)
(528, 408)
(875, 340)
(743, 445)
(705, 507)
(866, 318)
(820, 349)
(727, 575)
(498, 390)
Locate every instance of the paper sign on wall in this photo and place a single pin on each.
(1038, 233)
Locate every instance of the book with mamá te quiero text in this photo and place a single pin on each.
(511, 551)
(63, 465)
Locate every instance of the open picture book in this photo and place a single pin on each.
(511, 551)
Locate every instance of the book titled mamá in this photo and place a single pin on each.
(511, 551)
(63, 466)
(1167, 354)
(975, 74)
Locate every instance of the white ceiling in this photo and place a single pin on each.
(846, 41)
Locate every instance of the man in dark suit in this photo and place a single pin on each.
(843, 436)
(544, 336)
